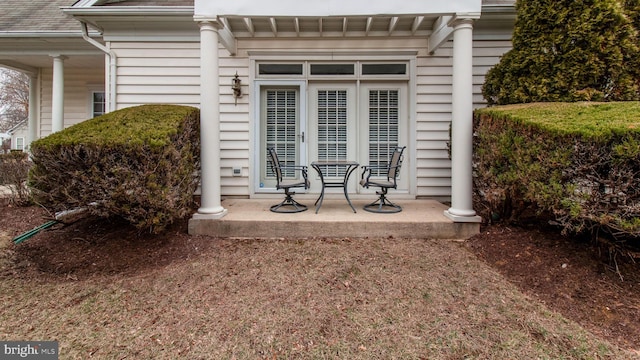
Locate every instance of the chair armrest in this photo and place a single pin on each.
(366, 170)
(302, 169)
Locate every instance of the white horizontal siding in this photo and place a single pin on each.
(169, 72)
(433, 109)
(157, 73)
(78, 83)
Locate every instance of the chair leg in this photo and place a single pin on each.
(288, 205)
(382, 204)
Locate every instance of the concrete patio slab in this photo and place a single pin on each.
(252, 218)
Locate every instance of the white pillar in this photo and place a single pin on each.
(461, 209)
(210, 206)
(57, 101)
(32, 132)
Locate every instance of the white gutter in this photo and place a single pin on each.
(112, 66)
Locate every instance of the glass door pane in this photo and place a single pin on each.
(332, 134)
(384, 125)
(280, 130)
(332, 128)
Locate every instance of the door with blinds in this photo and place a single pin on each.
(332, 129)
(383, 125)
(333, 121)
(280, 128)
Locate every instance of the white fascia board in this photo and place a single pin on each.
(94, 16)
(282, 8)
(130, 11)
(41, 34)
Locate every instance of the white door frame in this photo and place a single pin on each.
(257, 116)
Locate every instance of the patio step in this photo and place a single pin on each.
(251, 218)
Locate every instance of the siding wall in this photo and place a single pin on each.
(78, 84)
(433, 107)
(168, 72)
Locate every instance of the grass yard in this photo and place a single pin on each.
(105, 292)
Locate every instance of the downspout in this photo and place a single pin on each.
(112, 65)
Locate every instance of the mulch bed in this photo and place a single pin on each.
(573, 277)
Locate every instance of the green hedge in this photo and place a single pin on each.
(139, 163)
(566, 50)
(575, 163)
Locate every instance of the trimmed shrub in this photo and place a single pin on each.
(576, 163)
(139, 163)
(14, 169)
(566, 50)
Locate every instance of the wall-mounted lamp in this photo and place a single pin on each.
(236, 86)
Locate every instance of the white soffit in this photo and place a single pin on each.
(302, 8)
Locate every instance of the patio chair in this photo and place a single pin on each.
(288, 205)
(390, 172)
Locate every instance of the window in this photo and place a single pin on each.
(280, 69)
(335, 70)
(384, 69)
(97, 103)
(332, 69)
(20, 143)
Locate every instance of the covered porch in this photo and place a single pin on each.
(225, 23)
(420, 218)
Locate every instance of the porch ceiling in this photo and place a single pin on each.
(328, 26)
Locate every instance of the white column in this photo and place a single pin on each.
(32, 132)
(210, 206)
(461, 209)
(57, 101)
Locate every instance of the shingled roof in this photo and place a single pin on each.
(148, 3)
(36, 16)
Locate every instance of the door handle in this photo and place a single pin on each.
(301, 137)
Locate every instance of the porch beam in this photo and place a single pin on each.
(249, 25)
(344, 26)
(441, 32)
(274, 26)
(392, 24)
(226, 37)
(19, 67)
(416, 24)
(461, 209)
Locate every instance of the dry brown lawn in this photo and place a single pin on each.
(105, 292)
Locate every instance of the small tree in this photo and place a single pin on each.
(568, 50)
(14, 98)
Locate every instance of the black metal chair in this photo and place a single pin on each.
(390, 171)
(288, 205)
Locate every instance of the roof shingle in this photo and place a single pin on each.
(36, 16)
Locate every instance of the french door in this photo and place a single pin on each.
(332, 129)
(344, 121)
(383, 125)
(281, 128)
